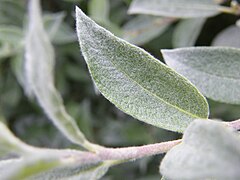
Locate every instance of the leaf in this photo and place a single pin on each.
(11, 34)
(11, 13)
(214, 70)
(136, 82)
(58, 31)
(238, 23)
(142, 28)
(11, 40)
(187, 32)
(209, 150)
(54, 164)
(99, 9)
(39, 64)
(9, 143)
(176, 8)
(5, 51)
(86, 172)
(27, 167)
(228, 37)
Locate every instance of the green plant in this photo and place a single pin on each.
(141, 86)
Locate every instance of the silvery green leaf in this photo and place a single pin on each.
(9, 143)
(6, 50)
(143, 28)
(209, 150)
(58, 31)
(39, 65)
(214, 70)
(25, 168)
(176, 8)
(99, 9)
(11, 13)
(17, 66)
(52, 23)
(238, 23)
(229, 37)
(75, 172)
(11, 34)
(187, 32)
(136, 82)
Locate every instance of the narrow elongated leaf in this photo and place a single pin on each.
(214, 70)
(228, 37)
(99, 9)
(54, 164)
(209, 150)
(9, 143)
(92, 171)
(58, 31)
(176, 8)
(136, 82)
(11, 34)
(187, 32)
(28, 167)
(39, 66)
(143, 28)
(238, 23)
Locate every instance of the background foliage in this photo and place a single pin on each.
(98, 118)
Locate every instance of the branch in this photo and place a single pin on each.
(136, 152)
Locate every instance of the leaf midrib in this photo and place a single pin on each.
(131, 79)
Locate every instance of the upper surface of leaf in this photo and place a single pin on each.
(214, 70)
(209, 150)
(175, 8)
(136, 82)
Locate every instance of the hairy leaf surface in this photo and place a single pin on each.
(209, 150)
(176, 8)
(136, 82)
(214, 70)
(39, 66)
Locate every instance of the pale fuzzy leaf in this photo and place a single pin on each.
(238, 23)
(229, 37)
(214, 70)
(187, 32)
(39, 64)
(28, 167)
(75, 172)
(11, 34)
(58, 31)
(55, 164)
(52, 23)
(176, 8)
(17, 65)
(143, 28)
(6, 50)
(99, 9)
(9, 143)
(209, 150)
(136, 82)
